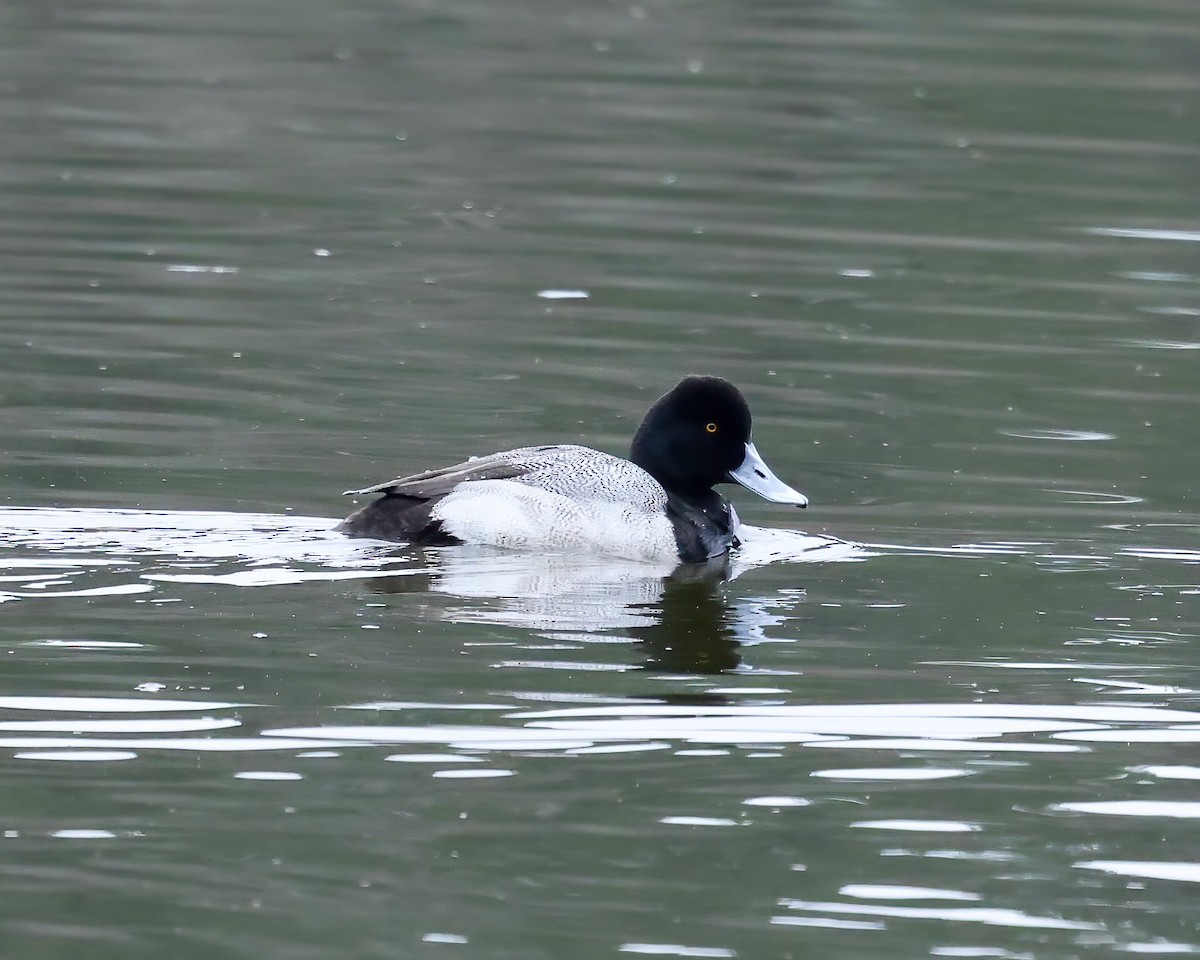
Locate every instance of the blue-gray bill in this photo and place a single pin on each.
(755, 475)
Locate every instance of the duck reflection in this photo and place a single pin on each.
(679, 613)
(676, 612)
(693, 627)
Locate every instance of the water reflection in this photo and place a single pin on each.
(694, 630)
(905, 732)
(679, 615)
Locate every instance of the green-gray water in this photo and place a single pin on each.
(258, 253)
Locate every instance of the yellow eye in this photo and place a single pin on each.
(710, 428)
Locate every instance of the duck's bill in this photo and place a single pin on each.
(755, 475)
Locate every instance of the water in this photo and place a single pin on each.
(256, 254)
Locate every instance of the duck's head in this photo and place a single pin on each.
(698, 435)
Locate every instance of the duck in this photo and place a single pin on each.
(657, 506)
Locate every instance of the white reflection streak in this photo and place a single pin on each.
(121, 726)
(1131, 687)
(947, 727)
(770, 725)
(991, 916)
(1151, 869)
(1144, 735)
(884, 891)
(1173, 809)
(270, 544)
(1098, 498)
(891, 773)
(77, 756)
(112, 704)
(1175, 772)
(1144, 233)
(273, 576)
(832, 923)
(675, 950)
(949, 744)
(196, 744)
(115, 590)
(1162, 553)
(918, 826)
(971, 728)
(1099, 714)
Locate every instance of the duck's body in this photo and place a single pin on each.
(658, 506)
(553, 498)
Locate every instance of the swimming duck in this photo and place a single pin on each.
(659, 505)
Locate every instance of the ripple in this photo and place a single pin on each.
(111, 704)
(919, 826)
(1152, 869)
(1163, 344)
(87, 756)
(1162, 553)
(946, 744)
(1174, 809)
(1097, 497)
(883, 891)
(1142, 735)
(83, 834)
(114, 590)
(1169, 772)
(829, 923)
(1072, 435)
(892, 773)
(193, 744)
(779, 802)
(1157, 276)
(700, 821)
(675, 950)
(1143, 233)
(490, 774)
(587, 593)
(432, 758)
(1133, 688)
(690, 732)
(200, 268)
(980, 729)
(157, 725)
(620, 748)
(84, 644)
(989, 916)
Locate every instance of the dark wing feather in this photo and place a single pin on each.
(404, 512)
(438, 483)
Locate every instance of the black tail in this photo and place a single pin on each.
(398, 518)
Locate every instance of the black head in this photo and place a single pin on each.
(694, 436)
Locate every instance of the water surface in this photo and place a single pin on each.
(257, 254)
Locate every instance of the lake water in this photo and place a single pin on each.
(259, 253)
